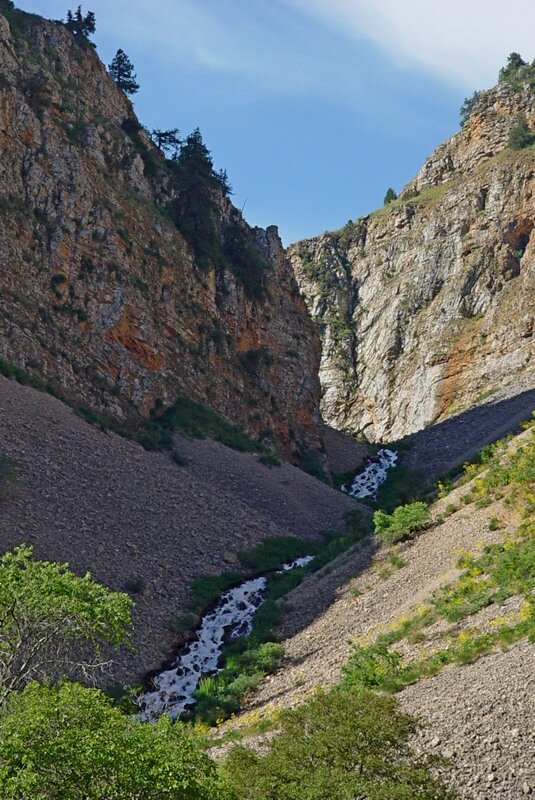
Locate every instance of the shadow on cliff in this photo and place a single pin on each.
(449, 444)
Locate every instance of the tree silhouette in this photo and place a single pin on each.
(122, 71)
(167, 141)
(79, 25)
(390, 196)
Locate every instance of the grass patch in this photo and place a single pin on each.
(198, 422)
(184, 416)
(273, 552)
(402, 485)
(248, 660)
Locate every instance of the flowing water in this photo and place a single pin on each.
(174, 688)
(367, 482)
(232, 617)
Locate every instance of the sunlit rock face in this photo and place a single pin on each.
(426, 306)
(100, 293)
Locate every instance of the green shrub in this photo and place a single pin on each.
(207, 589)
(312, 463)
(274, 552)
(372, 666)
(195, 420)
(403, 521)
(521, 134)
(337, 746)
(71, 742)
(270, 459)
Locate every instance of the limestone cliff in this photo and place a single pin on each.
(427, 305)
(100, 294)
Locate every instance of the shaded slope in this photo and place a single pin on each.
(104, 504)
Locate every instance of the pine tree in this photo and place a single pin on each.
(81, 27)
(167, 141)
(521, 134)
(390, 196)
(122, 71)
(514, 62)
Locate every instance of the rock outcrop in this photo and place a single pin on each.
(100, 294)
(427, 306)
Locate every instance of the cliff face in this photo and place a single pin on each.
(99, 292)
(427, 305)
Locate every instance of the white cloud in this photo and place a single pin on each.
(463, 41)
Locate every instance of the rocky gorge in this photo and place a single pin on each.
(426, 306)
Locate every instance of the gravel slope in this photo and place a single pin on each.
(103, 504)
(444, 446)
(480, 715)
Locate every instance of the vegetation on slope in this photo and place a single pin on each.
(501, 571)
(63, 740)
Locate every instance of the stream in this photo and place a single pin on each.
(232, 617)
(367, 482)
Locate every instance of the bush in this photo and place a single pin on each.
(469, 105)
(272, 552)
(44, 610)
(270, 459)
(197, 421)
(521, 134)
(402, 522)
(71, 742)
(338, 745)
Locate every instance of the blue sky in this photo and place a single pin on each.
(314, 107)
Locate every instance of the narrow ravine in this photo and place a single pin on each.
(367, 482)
(232, 617)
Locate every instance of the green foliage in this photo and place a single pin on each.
(196, 209)
(402, 485)
(219, 696)
(167, 141)
(521, 134)
(403, 521)
(504, 468)
(121, 70)
(197, 421)
(390, 196)
(18, 19)
(469, 106)
(45, 610)
(82, 27)
(372, 666)
(206, 589)
(511, 69)
(133, 129)
(270, 459)
(312, 463)
(244, 259)
(337, 746)
(71, 743)
(199, 216)
(273, 552)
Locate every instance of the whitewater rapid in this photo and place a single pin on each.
(174, 688)
(367, 482)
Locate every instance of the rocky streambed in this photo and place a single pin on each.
(174, 688)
